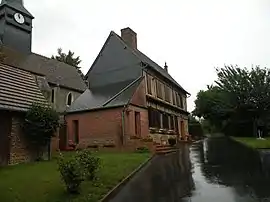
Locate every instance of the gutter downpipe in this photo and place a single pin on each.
(123, 124)
(125, 107)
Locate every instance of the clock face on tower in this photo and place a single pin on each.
(19, 18)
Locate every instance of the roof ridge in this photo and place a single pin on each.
(122, 41)
(133, 51)
(120, 92)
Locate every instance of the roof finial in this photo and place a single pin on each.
(166, 67)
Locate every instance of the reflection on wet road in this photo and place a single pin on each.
(213, 170)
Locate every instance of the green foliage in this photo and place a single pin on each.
(78, 168)
(67, 58)
(172, 141)
(71, 173)
(142, 150)
(89, 164)
(195, 128)
(40, 125)
(238, 100)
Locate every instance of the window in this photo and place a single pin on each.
(69, 99)
(167, 93)
(174, 98)
(181, 101)
(165, 121)
(52, 96)
(176, 123)
(137, 123)
(178, 100)
(172, 122)
(159, 89)
(149, 84)
(154, 118)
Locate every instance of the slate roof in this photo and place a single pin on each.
(145, 59)
(56, 72)
(118, 94)
(18, 89)
(17, 4)
(115, 75)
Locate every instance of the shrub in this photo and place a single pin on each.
(89, 164)
(172, 141)
(40, 125)
(71, 173)
(142, 150)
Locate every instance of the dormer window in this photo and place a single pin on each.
(69, 99)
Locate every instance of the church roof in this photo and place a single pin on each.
(114, 95)
(57, 73)
(18, 5)
(18, 89)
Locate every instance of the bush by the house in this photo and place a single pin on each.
(172, 141)
(89, 164)
(142, 150)
(40, 125)
(71, 173)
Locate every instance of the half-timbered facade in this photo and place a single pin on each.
(129, 96)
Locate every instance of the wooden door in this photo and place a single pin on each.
(76, 131)
(138, 124)
(5, 130)
(63, 137)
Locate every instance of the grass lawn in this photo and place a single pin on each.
(253, 142)
(40, 182)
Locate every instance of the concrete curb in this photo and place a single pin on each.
(114, 191)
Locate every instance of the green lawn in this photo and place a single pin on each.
(40, 182)
(253, 142)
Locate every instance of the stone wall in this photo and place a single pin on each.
(19, 151)
(61, 94)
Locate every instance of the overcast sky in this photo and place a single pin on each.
(192, 36)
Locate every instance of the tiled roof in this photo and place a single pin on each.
(55, 72)
(118, 94)
(18, 89)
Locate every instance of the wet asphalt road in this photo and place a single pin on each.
(213, 170)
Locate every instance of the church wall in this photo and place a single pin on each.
(60, 103)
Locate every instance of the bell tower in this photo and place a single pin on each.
(15, 26)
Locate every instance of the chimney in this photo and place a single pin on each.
(166, 67)
(130, 37)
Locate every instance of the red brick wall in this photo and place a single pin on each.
(97, 127)
(130, 121)
(139, 97)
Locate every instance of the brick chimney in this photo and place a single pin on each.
(130, 37)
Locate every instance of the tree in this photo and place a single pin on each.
(238, 101)
(212, 105)
(40, 125)
(68, 58)
(195, 128)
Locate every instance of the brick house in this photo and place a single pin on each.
(18, 90)
(60, 83)
(130, 97)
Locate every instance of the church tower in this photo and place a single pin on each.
(15, 26)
